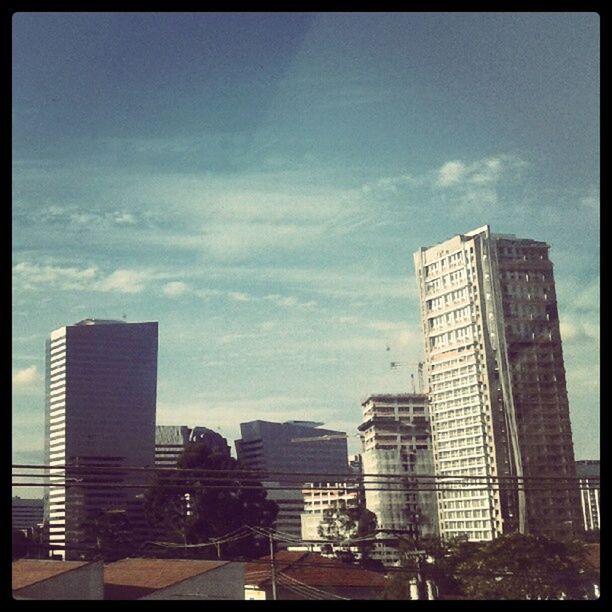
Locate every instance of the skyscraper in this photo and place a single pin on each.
(294, 447)
(101, 383)
(496, 379)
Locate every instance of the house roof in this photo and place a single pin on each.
(312, 569)
(30, 571)
(133, 578)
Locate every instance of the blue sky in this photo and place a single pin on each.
(257, 183)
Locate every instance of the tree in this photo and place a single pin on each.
(197, 507)
(519, 566)
(112, 533)
(342, 524)
(428, 559)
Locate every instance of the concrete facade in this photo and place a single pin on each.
(320, 497)
(101, 382)
(496, 380)
(397, 443)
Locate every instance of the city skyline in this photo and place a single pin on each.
(257, 184)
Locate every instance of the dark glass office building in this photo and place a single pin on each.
(295, 447)
(101, 385)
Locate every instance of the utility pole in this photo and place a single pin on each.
(272, 568)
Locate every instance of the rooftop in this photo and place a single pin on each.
(30, 571)
(133, 578)
(312, 569)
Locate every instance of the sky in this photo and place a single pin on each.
(258, 183)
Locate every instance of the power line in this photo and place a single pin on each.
(266, 475)
(181, 486)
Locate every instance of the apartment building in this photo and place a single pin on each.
(496, 379)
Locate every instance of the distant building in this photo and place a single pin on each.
(356, 465)
(496, 380)
(292, 453)
(175, 579)
(319, 497)
(170, 441)
(101, 384)
(52, 580)
(26, 513)
(397, 449)
(588, 474)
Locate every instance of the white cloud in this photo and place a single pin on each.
(123, 281)
(484, 172)
(175, 288)
(31, 276)
(450, 173)
(34, 275)
(25, 377)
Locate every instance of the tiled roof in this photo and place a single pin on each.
(312, 569)
(132, 578)
(31, 571)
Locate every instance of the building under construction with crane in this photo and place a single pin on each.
(397, 459)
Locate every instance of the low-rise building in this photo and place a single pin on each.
(43, 579)
(306, 575)
(173, 579)
(26, 513)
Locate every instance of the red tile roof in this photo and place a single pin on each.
(31, 571)
(312, 569)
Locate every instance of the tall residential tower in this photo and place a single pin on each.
(101, 381)
(497, 387)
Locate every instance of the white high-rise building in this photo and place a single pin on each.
(101, 384)
(496, 382)
(588, 473)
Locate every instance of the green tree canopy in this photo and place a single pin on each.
(519, 566)
(349, 526)
(112, 533)
(199, 506)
